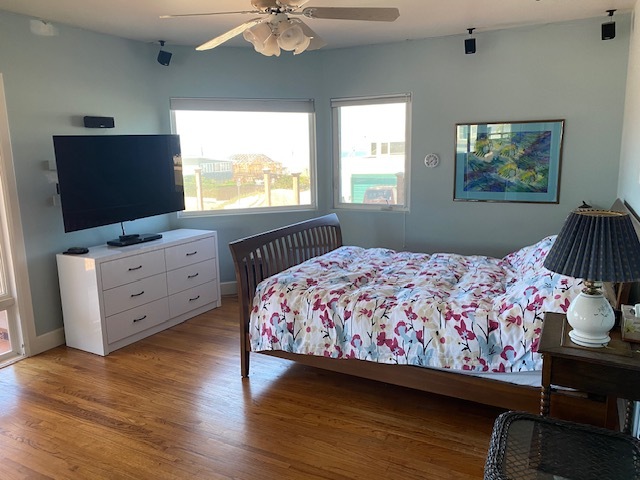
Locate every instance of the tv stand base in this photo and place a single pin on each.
(133, 239)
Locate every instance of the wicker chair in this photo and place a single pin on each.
(527, 446)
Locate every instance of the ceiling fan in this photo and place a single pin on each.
(276, 30)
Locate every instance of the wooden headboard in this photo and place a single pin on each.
(622, 206)
(265, 254)
(622, 291)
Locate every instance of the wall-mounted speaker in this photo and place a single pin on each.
(99, 122)
(470, 46)
(164, 58)
(608, 30)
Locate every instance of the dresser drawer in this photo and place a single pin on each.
(191, 276)
(125, 324)
(193, 298)
(129, 269)
(190, 253)
(134, 294)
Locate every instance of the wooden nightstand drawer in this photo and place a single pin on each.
(612, 371)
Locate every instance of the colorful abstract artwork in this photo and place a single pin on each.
(508, 162)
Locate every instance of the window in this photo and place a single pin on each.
(371, 151)
(246, 155)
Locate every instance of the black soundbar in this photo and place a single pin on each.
(99, 122)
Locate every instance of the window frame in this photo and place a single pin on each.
(275, 105)
(336, 103)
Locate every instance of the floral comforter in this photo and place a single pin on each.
(471, 313)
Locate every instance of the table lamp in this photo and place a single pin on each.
(597, 246)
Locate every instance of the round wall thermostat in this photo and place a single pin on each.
(431, 160)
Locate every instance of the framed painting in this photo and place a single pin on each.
(508, 161)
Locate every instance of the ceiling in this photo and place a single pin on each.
(139, 19)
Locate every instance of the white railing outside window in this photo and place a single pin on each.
(246, 155)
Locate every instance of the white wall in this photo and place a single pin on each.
(629, 182)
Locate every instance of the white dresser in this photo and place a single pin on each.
(114, 296)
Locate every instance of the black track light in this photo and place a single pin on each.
(609, 28)
(470, 43)
(164, 58)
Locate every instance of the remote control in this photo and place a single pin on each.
(76, 251)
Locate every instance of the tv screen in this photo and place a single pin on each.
(106, 179)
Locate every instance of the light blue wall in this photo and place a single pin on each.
(558, 71)
(242, 73)
(50, 84)
(555, 71)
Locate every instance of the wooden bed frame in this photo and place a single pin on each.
(265, 254)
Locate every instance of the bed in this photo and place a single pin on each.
(465, 327)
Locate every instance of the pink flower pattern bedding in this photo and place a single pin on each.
(471, 313)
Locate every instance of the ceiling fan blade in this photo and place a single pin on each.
(180, 15)
(353, 13)
(214, 42)
(316, 41)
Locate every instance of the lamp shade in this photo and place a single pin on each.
(596, 245)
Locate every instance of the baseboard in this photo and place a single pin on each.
(228, 288)
(55, 338)
(47, 341)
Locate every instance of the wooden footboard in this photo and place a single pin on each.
(260, 256)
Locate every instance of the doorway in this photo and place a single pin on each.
(15, 295)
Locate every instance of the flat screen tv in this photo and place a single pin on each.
(106, 179)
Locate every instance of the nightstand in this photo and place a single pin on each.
(612, 371)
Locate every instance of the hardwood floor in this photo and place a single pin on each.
(174, 406)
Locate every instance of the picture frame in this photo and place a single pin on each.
(508, 161)
(630, 324)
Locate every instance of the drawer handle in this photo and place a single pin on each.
(135, 320)
(192, 253)
(194, 299)
(131, 269)
(137, 294)
(193, 276)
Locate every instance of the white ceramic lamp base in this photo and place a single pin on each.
(591, 317)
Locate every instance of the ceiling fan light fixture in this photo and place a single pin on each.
(291, 37)
(264, 5)
(291, 3)
(302, 46)
(278, 31)
(271, 47)
(258, 35)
